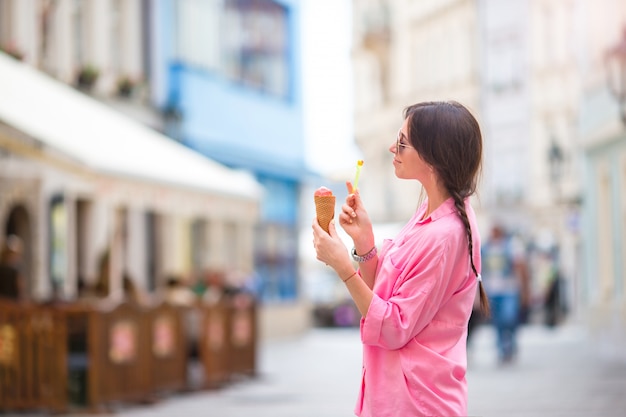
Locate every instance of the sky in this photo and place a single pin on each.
(327, 71)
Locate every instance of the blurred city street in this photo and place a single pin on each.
(558, 373)
(158, 164)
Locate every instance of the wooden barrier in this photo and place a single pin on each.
(106, 345)
(214, 343)
(32, 358)
(167, 349)
(92, 355)
(243, 335)
(228, 339)
(118, 370)
(77, 319)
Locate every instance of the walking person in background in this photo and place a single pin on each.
(554, 305)
(415, 295)
(11, 279)
(505, 275)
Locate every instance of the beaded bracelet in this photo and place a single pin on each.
(364, 258)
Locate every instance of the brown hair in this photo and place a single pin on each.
(447, 137)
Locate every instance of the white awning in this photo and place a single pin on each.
(104, 139)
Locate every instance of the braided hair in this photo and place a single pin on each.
(454, 150)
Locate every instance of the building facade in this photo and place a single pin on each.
(234, 97)
(602, 141)
(96, 196)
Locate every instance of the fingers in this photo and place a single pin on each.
(317, 229)
(349, 187)
(325, 244)
(353, 200)
(331, 228)
(344, 218)
(349, 208)
(319, 233)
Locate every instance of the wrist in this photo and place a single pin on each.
(366, 256)
(363, 246)
(349, 277)
(345, 271)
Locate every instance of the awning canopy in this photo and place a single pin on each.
(104, 139)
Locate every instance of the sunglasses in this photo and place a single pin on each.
(400, 145)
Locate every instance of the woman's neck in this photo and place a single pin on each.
(436, 197)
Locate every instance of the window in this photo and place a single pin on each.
(246, 41)
(117, 35)
(256, 45)
(58, 241)
(199, 245)
(198, 29)
(231, 245)
(276, 261)
(48, 53)
(6, 29)
(78, 20)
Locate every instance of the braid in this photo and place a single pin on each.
(460, 206)
(459, 203)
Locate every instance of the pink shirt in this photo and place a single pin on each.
(415, 331)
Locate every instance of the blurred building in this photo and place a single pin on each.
(534, 74)
(228, 71)
(220, 77)
(530, 93)
(82, 183)
(602, 148)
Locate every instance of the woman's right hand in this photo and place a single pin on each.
(355, 220)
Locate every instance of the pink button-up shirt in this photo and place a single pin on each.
(415, 331)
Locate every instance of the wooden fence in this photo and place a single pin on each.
(32, 358)
(90, 356)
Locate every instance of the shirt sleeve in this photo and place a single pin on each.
(420, 288)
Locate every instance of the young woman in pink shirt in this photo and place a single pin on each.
(416, 293)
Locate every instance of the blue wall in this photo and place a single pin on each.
(240, 126)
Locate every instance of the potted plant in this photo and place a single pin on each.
(125, 86)
(87, 77)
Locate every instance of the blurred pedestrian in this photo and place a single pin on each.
(554, 304)
(11, 278)
(217, 287)
(101, 287)
(179, 294)
(505, 274)
(416, 295)
(132, 292)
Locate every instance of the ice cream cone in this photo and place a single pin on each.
(325, 209)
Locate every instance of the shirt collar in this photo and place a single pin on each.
(444, 209)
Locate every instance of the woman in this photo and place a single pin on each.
(416, 295)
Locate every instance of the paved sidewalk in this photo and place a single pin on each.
(558, 373)
(317, 375)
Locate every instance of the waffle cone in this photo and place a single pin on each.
(325, 210)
